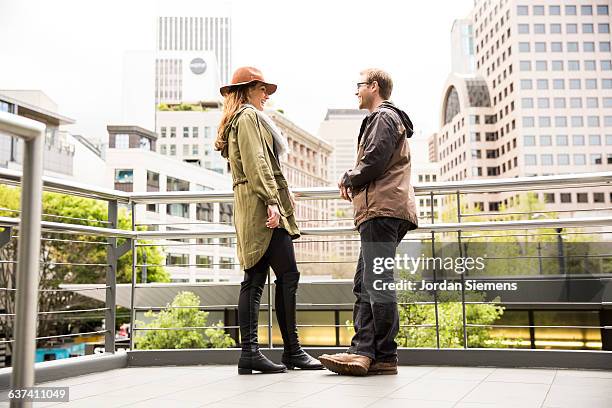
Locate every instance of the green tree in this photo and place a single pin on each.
(184, 107)
(177, 318)
(68, 259)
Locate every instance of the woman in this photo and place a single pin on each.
(263, 213)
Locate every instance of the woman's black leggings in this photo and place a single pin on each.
(280, 255)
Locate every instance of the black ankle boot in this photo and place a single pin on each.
(301, 359)
(285, 302)
(254, 360)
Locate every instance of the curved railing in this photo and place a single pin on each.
(600, 217)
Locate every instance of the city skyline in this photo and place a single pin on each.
(83, 72)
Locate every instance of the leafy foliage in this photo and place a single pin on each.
(182, 317)
(68, 259)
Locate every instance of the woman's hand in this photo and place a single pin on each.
(273, 216)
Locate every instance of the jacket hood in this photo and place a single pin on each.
(403, 116)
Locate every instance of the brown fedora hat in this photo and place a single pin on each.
(247, 75)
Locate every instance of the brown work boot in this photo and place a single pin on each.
(346, 364)
(383, 368)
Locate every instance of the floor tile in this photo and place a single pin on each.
(526, 376)
(165, 403)
(259, 399)
(404, 403)
(460, 373)
(584, 373)
(374, 391)
(337, 401)
(435, 390)
(525, 395)
(295, 388)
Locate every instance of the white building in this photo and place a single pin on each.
(190, 136)
(306, 165)
(424, 171)
(186, 77)
(340, 129)
(133, 165)
(64, 156)
(198, 33)
(166, 77)
(538, 103)
(462, 47)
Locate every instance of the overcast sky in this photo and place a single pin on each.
(314, 50)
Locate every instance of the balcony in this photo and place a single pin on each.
(219, 386)
(529, 359)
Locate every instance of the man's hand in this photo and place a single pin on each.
(273, 216)
(345, 193)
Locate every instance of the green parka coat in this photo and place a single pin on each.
(257, 182)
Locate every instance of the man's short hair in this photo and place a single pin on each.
(382, 78)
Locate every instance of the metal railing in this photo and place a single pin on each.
(111, 233)
(32, 133)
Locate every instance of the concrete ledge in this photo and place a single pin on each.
(503, 358)
(569, 359)
(186, 357)
(69, 367)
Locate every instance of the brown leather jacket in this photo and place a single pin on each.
(380, 180)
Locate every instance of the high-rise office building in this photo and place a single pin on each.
(539, 101)
(341, 128)
(462, 47)
(192, 34)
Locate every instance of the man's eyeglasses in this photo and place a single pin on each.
(361, 83)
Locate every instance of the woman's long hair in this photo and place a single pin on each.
(234, 99)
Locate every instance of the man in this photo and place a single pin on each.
(384, 206)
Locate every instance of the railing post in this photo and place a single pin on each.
(28, 250)
(337, 324)
(270, 342)
(133, 293)
(111, 281)
(433, 255)
(465, 340)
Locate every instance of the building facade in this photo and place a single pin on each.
(133, 165)
(340, 129)
(186, 77)
(425, 171)
(538, 103)
(307, 165)
(205, 33)
(64, 156)
(190, 136)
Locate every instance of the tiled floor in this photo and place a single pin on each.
(422, 387)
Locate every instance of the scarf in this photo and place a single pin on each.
(281, 147)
